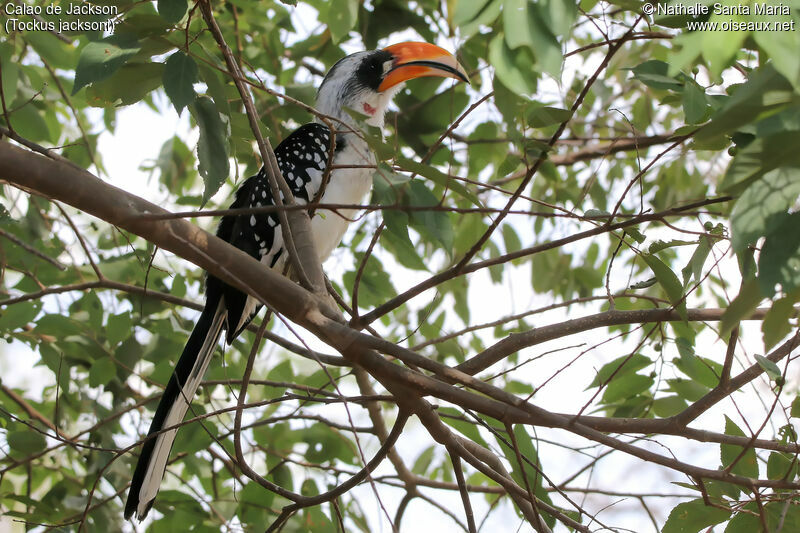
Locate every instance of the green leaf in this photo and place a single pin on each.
(720, 48)
(760, 157)
(769, 367)
(694, 268)
(741, 307)
(718, 490)
(693, 516)
(28, 441)
(511, 239)
(279, 437)
(636, 235)
(326, 444)
(685, 337)
(660, 245)
(669, 406)
(212, 147)
(518, 23)
(180, 73)
(455, 419)
(747, 263)
(541, 116)
(781, 466)
(423, 461)
(779, 262)
(524, 25)
(787, 433)
(397, 240)
(644, 284)
(128, 85)
(514, 69)
(102, 371)
(694, 103)
(779, 517)
(91, 305)
(436, 223)
(462, 11)
(341, 18)
(59, 326)
(483, 154)
(485, 17)
(764, 91)
(175, 164)
(256, 495)
(282, 372)
(596, 213)
(669, 282)
(386, 189)
(559, 15)
(17, 316)
(118, 328)
(195, 437)
(795, 409)
(653, 73)
(699, 369)
(786, 118)
(747, 465)
(57, 53)
(375, 285)
(28, 121)
(625, 387)
(619, 367)
(439, 178)
(544, 45)
(775, 44)
(687, 389)
(10, 72)
(383, 150)
(530, 465)
(172, 10)
(519, 388)
(100, 59)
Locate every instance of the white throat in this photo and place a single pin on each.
(338, 93)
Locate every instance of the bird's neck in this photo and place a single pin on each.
(370, 105)
(349, 134)
(344, 121)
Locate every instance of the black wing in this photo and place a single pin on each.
(302, 158)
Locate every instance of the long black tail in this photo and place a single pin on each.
(172, 408)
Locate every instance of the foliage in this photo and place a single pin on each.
(608, 173)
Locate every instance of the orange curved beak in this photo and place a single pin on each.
(415, 60)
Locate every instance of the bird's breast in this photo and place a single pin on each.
(347, 186)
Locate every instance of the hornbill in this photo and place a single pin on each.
(364, 82)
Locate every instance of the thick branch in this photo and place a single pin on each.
(31, 411)
(518, 341)
(603, 150)
(82, 190)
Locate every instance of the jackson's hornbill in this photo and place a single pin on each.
(364, 82)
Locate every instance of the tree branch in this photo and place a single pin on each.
(517, 341)
(82, 190)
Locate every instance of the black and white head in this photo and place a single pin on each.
(366, 81)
